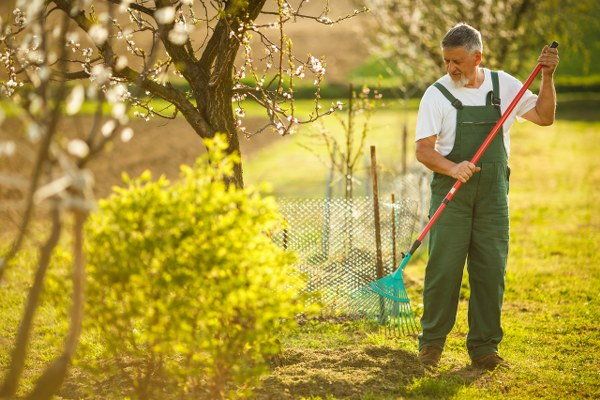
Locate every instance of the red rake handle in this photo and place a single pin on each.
(486, 143)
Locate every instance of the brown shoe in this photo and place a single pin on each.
(489, 362)
(430, 355)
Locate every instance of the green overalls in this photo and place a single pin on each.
(473, 227)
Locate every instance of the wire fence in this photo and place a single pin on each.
(336, 246)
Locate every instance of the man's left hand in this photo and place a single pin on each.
(549, 60)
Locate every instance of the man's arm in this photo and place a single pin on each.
(545, 107)
(428, 156)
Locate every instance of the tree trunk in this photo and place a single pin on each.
(17, 361)
(217, 64)
(51, 380)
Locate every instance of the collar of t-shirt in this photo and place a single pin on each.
(469, 96)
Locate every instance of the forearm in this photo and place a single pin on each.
(546, 102)
(435, 161)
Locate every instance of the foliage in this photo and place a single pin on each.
(185, 284)
(408, 33)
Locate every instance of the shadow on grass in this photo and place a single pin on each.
(373, 372)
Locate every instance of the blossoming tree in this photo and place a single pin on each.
(203, 58)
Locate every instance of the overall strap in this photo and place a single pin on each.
(456, 103)
(494, 96)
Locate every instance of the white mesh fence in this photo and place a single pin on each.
(335, 242)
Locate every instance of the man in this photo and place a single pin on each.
(455, 115)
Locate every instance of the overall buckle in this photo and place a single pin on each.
(457, 104)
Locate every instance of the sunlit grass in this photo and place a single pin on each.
(551, 307)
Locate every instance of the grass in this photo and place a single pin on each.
(551, 309)
(278, 164)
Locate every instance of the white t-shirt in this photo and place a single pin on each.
(438, 117)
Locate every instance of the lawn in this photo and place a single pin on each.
(551, 311)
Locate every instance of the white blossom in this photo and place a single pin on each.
(179, 34)
(121, 63)
(325, 20)
(44, 73)
(108, 128)
(280, 128)
(316, 66)
(78, 148)
(7, 148)
(299, 72)
(100, 74)
(35, 57)
(75, 100)
(124, 5)
(187, 2)
(165, 15)
(119, 111)
(73, 39)
(98, 33)
(117, 93)
(34, 132)
(19, 17)
(126, 134)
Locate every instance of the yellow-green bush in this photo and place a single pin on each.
(186, 291)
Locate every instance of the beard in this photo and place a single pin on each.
(459, 82)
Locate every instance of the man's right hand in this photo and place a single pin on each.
(463, 171)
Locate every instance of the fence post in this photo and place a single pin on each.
(327, 216)
(404, 149)
(394, 230)
(379, 260)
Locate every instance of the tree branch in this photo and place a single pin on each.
(135, 6)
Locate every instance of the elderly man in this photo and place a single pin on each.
(455, 115)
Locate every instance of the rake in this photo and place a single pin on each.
(387, 296)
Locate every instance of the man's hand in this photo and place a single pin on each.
(463, 171)
(549, 60)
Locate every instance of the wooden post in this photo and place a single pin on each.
(394, 231)
(379, 259)
(404, 149)
(327, 217)
(285, 239)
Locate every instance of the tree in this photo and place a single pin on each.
(58, 182)
(344, 153)
(41, 50)
(408, 32)
(198, 73)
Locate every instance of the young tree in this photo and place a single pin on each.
(56, 181)
(345, 152)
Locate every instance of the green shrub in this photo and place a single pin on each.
(186, 289)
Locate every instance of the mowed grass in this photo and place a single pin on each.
(551, 312)
(298, 165)
(551, 308)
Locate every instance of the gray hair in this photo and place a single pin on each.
(463, 35)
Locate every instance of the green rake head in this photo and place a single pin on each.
(386, 299)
